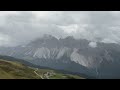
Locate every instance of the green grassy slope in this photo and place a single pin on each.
(16, 70)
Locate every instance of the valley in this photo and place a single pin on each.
(17, 70)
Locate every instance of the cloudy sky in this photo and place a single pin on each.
(18, 27)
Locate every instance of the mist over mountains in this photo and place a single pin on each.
(86, 42)
(20, 27)
(75, 55)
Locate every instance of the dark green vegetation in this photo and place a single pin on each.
(17, 70)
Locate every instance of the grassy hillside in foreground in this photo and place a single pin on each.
(16, 70)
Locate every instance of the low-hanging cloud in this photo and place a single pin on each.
(18, 27)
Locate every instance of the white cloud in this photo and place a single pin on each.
(5, 40)
(23, 26)
(108, 41)
(93, 44)
(69, 29)
(3, 13)
(42, 14)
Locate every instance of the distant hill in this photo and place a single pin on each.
(11, 69)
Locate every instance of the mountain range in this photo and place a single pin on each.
(70, 54)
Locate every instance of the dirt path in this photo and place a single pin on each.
(38, 74)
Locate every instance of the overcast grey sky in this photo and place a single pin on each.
(18, 27)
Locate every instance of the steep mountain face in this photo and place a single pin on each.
(70, 54)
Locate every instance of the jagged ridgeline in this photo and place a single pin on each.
(70, 54)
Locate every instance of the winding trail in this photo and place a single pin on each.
(38, 74)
